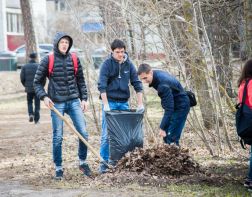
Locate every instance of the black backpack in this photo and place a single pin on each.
(243, 120)
(192, 98)
(189, 93)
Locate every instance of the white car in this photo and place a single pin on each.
(44, 49)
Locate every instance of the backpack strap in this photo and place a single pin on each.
(51, 63)
(245, 91)
(242, 144)
(75, 63)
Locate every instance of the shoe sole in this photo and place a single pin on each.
(58, 178)
(85, 174)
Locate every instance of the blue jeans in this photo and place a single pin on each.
(30, 97)
(250, 165)
(176, 125)
(73, 109)
(104, 150)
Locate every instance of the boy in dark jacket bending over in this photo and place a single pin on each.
(174, 101)
(68, 93)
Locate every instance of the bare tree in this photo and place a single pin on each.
(195, 37)
(29, 33)
(248, 26)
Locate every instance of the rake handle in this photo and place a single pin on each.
(79, 135)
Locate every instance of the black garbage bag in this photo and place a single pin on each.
(124, 132)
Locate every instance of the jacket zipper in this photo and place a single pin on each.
(119, 76)
(65, 74)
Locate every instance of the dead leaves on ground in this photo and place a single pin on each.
(160, 160)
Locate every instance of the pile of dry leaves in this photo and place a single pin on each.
(161, 160)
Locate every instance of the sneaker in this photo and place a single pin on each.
(31, 118)
(58, 174)
(103, 168)
(249, 187)
(84, 168)
(247, 182)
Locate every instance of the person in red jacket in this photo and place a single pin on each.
(246, 75)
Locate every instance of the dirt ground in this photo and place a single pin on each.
(26, 167)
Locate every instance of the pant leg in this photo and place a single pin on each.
(250, 165)
(176, 125)
(29, 103)
(104, 147)
(57, 125)
(76, 114)
(37, 109)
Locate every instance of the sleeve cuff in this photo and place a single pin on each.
(102, 91)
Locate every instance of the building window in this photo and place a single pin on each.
(14, 23)
(60, 5)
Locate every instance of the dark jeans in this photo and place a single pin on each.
(35, 112)
(176, 125)
(250, 165)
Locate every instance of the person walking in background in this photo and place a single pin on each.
(246, 75)
(68, 93)
(174, 101)
(116, 72)
(27, 76)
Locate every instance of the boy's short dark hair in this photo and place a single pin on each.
(143, 68)
(66, 37)
(33, 55)
(117, 44)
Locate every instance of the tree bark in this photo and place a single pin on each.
(198, 67)
(248, 26)
(29, 33)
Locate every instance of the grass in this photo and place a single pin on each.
(208, 191)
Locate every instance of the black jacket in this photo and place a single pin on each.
(114, 79)
(27, 75)
(63, 85)
(172, 94)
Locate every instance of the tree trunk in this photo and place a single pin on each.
(115, 26)
(131, 37)
(29, 34)
(220, 42)
(248, 26)
(198, 67)
(142, 54)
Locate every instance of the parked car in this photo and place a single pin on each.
(8, 61)
(44, 49)
(98, 56)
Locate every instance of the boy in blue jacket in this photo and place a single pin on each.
(174, 101)
(116, 72)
